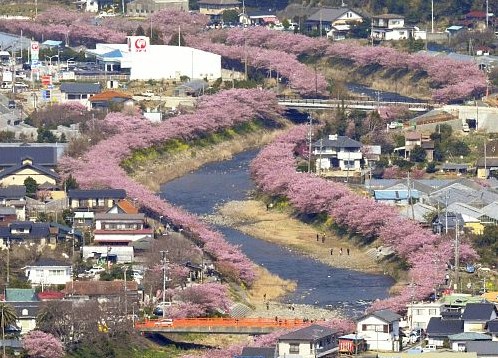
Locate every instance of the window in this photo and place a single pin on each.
(418, 312)
(24, 312)
(374, 327)
(294, 348)
(432, 312)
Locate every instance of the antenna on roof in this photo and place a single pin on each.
(343, 4)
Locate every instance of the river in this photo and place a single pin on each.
(201, 191)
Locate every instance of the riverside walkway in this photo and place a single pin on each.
(219, 325)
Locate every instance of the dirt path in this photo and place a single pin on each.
(252, 217)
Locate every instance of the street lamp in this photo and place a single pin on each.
(164, 262)
(50, 59)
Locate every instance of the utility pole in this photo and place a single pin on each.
(125, 292)
(457, 254)
(487, 13)
(485, 159)
(320, 158)
(310, 134)
(432, 16)
(164, 261)
(446, 211)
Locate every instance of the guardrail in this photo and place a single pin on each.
(361, 104)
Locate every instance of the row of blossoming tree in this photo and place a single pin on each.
(426, 254)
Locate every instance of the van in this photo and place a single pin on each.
(429, 348)
(465, 127)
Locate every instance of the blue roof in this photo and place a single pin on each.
(113, 53)
(395, 194)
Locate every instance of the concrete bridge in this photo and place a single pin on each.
(219, 325)
(365, 105)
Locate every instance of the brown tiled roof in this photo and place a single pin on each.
(127, 207)
(109, 95)
(413, 135)
(99, 288)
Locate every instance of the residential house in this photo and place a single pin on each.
(440, 328)
(83, 220)
(257, 352)
(414, 139)
(335, 151)
(492, 329)
(471, 216)
(112, 254)
(396, 197)
(16, 175)
(455, 168)
(14, 196)
(7, 215)
(447, 222)
(337, 19)
(390, 27)
(26, 304)
(215, 8)
(309, 342)
(120, 229)
(458, 342)
(380, 330)
(193, 88)
(259, 17)
(420, 313)
(144, 8)
(95, 199)
(123, 206)
(109, 99)
(485, 166)
(476, 315)
(490, 213)
(486, 349)
(351, 344)
(103, 291)
(419, 212)
(79, 92)
(48, 272)
(25, 232)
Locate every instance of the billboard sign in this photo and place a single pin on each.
(35, 50)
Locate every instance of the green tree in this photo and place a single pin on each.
(431, 168)
(286, 23)
(46, 136)
(7, 137)
(230, 16)
(8, 317)
(139, 31)
(175, 38)
(71, 183)
(417, 154)
(361, 30)
(31, 186)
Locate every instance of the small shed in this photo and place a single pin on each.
(192, 88)
(351, 344)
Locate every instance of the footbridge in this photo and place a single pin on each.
(365, 105)
(219, 325)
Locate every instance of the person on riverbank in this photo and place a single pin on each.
(317, 237)
(323, 238)
(347, 250)
(331, 252)
(340, 251)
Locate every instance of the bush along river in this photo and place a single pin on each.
(214, 184)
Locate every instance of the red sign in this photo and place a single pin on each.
(34, 46)
(46, 80)
(140, 45)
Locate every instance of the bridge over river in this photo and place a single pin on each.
(219, 325)
(365, 105)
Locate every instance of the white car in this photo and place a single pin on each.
(148, 93)
(165, 322)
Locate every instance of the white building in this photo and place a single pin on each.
(380, 330)
(120, 229)
(337, 151)
(48, 272)
(309, 342)
(420, 313)
(390, 27)
(154, 62)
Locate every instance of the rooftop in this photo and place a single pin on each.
(337, 141)
(328, 14)
(97, 193)
(310, 333)
(80, 88)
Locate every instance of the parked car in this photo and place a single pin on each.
(429, 348)
(148, 93)
(12, 104)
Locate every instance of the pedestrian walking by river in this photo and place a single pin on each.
(323, 238)
(347, 250)
(331, 252)
(340, 251)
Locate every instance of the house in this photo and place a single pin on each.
(215, 8)
(351, 344)
(259, 17)
(459, 341)
(309, 342)
(415, 139)
(113, 254)
(447, 222)
(17, 174)
(439, 328)
(455, 168)
(108, 99)
(25, 232)
(48, 272)
(492, 329)
(83, 220)
(327, 19)
(26, 305)
(420, 313)
(95, 199)
(396, 197)
(7, 215)
(476, 316)
(380, 330)
(483, 349)
(390, 27)
(471, 216)
(124, 206)
(103, 290)
(79, 91)
(193, 88)
(144, 8)
(485, 166)
(257, 352)
(120, 229)
(335, 151)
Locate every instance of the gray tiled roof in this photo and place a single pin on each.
(259, 352)
(310, 333)
(469, 336)
(478, 311)
(111, 216)
(97, 193)
(80, 88)
(327, 14)
(483, 348)
(41, 169)
(13, 192)
(41, 155)
(492, 326)
(386, 315)
(438, 327)
(340, 142)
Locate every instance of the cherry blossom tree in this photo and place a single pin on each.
(39, 344)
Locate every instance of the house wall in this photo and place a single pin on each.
(92, 203)
(26, 325)
(124, 254)
(419, 314)
(375, 336)
(119, 237)
(19, 178)
(211, 9)
(284, 350)
(53, 275)
(122, 224)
